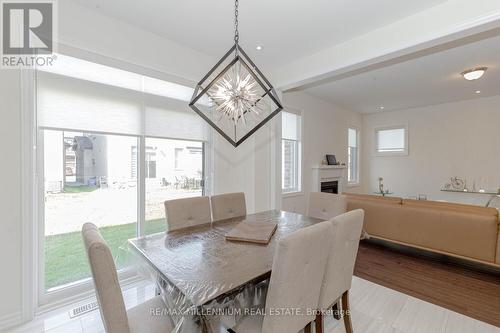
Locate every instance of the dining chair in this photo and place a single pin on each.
(115, 317)
(225, 206)
(187, 212)
(340, 266)
(326, 205)
(297, 274)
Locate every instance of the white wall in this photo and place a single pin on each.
(445, 140)
(324, 132)
(10, 196)
(87, 29)
(81, 28)
(248, 168)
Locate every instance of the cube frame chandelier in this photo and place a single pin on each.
(234, 97)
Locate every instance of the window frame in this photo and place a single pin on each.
(299, 164)
(38, 299)
(405, 151)
(356, 182)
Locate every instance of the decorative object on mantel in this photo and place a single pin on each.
(234, 97)
(331, 160)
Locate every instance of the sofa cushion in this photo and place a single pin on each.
(457, 232)
(460, 230)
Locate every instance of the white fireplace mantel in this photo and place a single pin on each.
(326, 173)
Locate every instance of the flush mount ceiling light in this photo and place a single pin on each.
(474, 73)
(234, 97)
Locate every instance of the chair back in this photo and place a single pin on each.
(225, 206)
(340, 267)
(109, 294)
(297, 273)
(187, 212)
(326, 205)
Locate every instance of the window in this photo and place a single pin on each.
(353, 156)
(150, 162)
(178, 153)
(108, 140)
(291, 152)
(391, 140)
(171, 182)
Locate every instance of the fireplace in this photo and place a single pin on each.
(329, 178)
(330, 186)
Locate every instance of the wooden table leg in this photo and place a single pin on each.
(319, 323)
(347, 312)
(336, 311)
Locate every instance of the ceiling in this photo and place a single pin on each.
(428, 80)
(286, 29)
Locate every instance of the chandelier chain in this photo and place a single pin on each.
(236, 32)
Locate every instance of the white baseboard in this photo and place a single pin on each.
(10, 320)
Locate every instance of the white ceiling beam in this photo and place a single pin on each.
(426, 30)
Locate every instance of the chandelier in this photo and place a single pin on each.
(234, 97)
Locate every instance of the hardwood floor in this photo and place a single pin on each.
(452, 284)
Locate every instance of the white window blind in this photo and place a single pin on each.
(84, 96)
(290, 126)
(352, 156)
(391, 140)
(291, 152)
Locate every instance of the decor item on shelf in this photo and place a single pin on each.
(234, 97)
(458, 184)
(381, 190)
(381, 184)
(331, 159)
(447, 186)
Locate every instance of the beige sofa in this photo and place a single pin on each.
(464, 231)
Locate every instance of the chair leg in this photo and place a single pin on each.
(307, 329)
(319, 323)
(336, 311)
(346, 311)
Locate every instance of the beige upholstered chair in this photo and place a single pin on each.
(326, 205)
(187, 212)
(297, 274)
(115, 317)
(340, 267)
(225, 206)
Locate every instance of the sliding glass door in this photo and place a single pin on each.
(113, 146)
(178, 173)
(87, 178)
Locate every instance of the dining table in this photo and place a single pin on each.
(209, 283)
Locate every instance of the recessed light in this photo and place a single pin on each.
(381, 107)
(478, 91)
(474, 73)
(258, 47)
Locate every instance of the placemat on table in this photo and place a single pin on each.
(259, 232)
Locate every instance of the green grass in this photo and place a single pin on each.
(79, 189)
(66, 260)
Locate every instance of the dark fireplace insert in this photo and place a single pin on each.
(330, 187)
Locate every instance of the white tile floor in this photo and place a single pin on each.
(375, 309)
